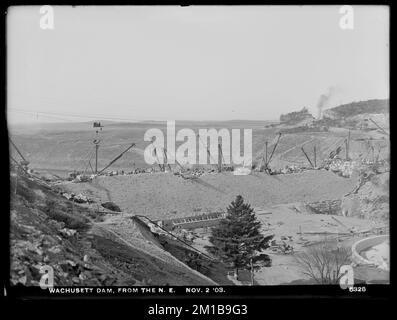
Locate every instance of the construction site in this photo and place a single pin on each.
(151, 224)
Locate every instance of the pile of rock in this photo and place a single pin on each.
(241, 171)
(79, 198)
(284, 245)
(83, 178)
(332, 207)
(184, 234)
(137, 171)
(292, 169)
(37, 248)
(371, 198)
(68, 232)
(344, 168)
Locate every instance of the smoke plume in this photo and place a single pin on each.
(324, 100)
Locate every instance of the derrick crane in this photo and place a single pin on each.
(274, 149)
(166, 160)
(118, 157)
(158, 160)
(381, 129)
(96, 142)
(264, 158)
(267, 160)
(24, 162)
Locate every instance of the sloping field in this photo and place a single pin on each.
(71, 147)
(289, 151)
(164, 195)
(363, 145)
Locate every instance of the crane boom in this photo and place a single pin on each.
(383, 130)
(19, 152)
(158, 160)
(166, 159)
(274, 149)
(117, 158)
(307, 157)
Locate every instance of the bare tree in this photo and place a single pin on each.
(322, 262)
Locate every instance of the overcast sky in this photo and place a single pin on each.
(196, 63)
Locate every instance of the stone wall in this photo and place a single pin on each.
(365, 244)
(332, 207)
(198, 221)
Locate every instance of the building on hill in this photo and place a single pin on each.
(296, 116)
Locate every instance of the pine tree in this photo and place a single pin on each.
(237, 238)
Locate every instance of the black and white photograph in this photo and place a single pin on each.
(210, 148)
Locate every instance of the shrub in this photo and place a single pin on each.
(322, 262)
(23, 190)
(71, 221)
(111, 206)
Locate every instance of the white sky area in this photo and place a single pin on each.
(191, 63)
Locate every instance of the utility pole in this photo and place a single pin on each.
(347, 142)
(274, 149)
(266, 143)
(96, 157)
(347, 145)
(219, 158)
(166, 159)
(315, 157)
(158, 159)
(96, 142)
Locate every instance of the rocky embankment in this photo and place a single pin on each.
(370, 199)
(49, 230)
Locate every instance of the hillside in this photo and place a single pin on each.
(344, 111)
(48, 230)
(61, 148)
(371, 198)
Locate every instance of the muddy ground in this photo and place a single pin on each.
(297, 226)
(165, 196)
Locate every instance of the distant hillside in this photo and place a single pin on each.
(374, 106)
(71, 146)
